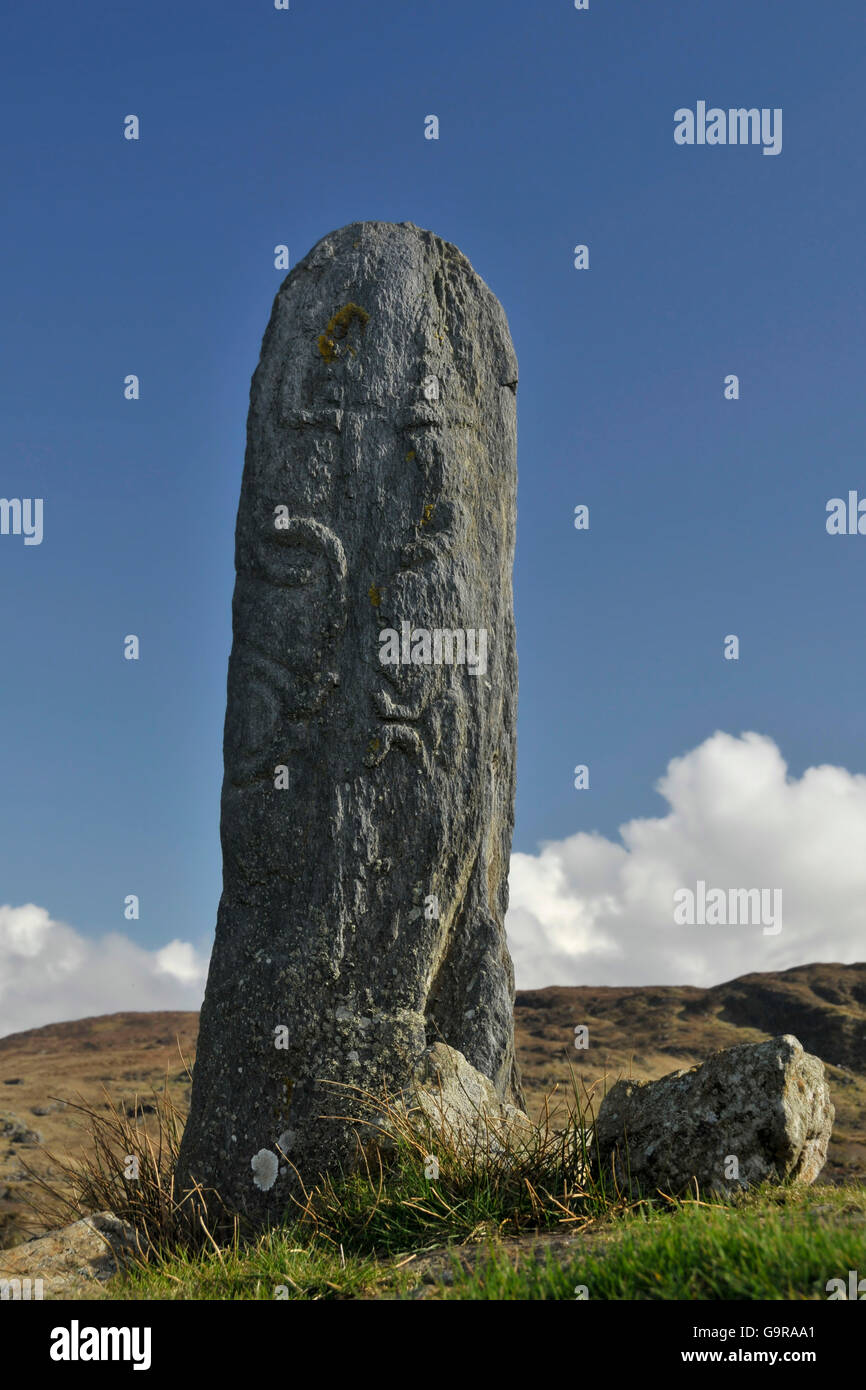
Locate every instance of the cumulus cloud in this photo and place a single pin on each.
(587, 910)
(584, 910)
(50, 972)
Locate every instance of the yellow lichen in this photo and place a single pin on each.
(338, 326)
(375, 595)
(410, 456)
(428, 512)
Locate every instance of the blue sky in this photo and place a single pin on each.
(156, 257)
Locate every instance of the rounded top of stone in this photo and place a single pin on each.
(367, 235)
(375, 313)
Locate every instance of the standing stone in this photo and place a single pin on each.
(369, 750)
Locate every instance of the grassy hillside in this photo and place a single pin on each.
(643, 1032)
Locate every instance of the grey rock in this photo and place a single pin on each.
(73, 1262)
(767, 1105)
(364, 899)
(449, 1100)
(18, 1132)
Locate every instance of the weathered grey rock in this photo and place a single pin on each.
(766, 1105)
(449, 1100)
(16, 1131)
(73, 1262)
(365, 884)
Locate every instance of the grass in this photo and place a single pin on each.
(506, 1217)
(101, 1178)
(774, 1245)
(272, 1267)
(778, 1243)
(490, 1182)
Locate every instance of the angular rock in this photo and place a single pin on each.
(449, 1099)
(766, 1105)
(72, 1263)
(367, 805)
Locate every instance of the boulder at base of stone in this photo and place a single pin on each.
(71, 1263)
(751, 1113)
(451, 1102)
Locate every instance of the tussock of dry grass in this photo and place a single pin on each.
(101, 1177)
(492, 1181)
(394, 1200)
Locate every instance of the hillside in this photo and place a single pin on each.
(649, 1031)
(644, 1032)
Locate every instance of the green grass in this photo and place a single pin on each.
(779, 1243)
(387, 1211)
(273, 1267)
(772, 1245)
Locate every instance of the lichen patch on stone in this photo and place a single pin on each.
(265, 1166)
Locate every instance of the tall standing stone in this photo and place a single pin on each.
(367, 804)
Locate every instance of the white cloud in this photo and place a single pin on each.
(180, 962)
(586, 910)
(49, 972)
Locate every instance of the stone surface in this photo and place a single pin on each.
(449, 1098)
(73, 1262)
(765, 1104)
(367, 808)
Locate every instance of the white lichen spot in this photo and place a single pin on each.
(286, 1140)
(353, 1057)
(265, 1166)
(342, 1014)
